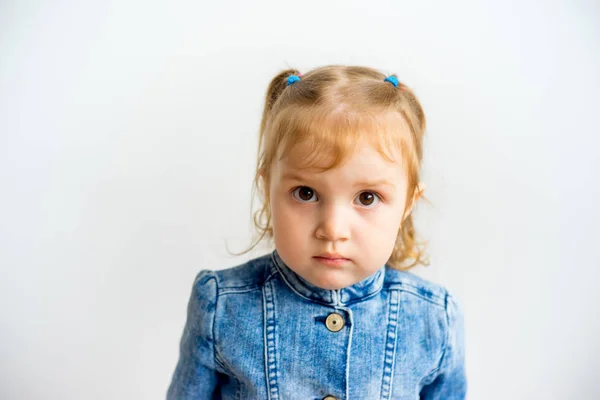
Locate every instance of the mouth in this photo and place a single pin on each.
(332, 259)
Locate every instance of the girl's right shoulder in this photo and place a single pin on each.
(247, 276)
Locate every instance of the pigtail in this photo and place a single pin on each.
(262, 217)
(274, 91)
(276, 87)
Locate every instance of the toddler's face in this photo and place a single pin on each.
(337, 227)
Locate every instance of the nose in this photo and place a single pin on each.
(334, 223)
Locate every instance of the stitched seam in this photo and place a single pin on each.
(271, 275)
(270, 337)
(348, 352)
(221, 361)
(320, 301)
(249, 286)
(440, 298)
(229, 291)
(245, 287)
(218, 357)
(214, 337)
(227, 370)
(362, 298)
(292, 287)
(395, 343)
(265, 342)
(265, 346)
(428, 299)
(391, 339)
(438, 367)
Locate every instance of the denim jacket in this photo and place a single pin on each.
(260, 331)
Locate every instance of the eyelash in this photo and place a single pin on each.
(377, 195)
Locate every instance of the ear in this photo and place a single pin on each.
(416, 196)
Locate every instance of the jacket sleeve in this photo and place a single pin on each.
(195, 376)
(450, 382)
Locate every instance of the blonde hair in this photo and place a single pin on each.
(330, 109)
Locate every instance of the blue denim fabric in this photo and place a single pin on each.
(259, 331)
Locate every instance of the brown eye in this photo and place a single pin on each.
(368, 199)
(304, 194)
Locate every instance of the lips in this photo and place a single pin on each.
(332, 260)
(332, 256)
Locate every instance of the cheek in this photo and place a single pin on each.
(288, 221)
(382, 228)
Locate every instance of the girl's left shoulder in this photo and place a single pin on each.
(425, 289)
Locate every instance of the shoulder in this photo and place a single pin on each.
(446, 316)
(422, 288)
(246, 276)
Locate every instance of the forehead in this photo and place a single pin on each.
(327, 142)
(365, 165)
(304, 157)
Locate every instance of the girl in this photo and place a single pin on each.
(331, 313)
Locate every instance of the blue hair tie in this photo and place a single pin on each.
(291, 79)
(392, 79)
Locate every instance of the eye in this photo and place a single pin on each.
(304, 194)
(368, 199)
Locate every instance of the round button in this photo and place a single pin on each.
(329, 398)
(334, 322)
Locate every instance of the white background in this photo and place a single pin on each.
(128, 132)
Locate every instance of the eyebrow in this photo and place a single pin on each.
(380, 182)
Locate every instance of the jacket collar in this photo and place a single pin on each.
(360, 290)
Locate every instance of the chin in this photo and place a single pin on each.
(333, 287)
(333, 284)
(330, 286)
